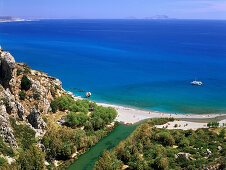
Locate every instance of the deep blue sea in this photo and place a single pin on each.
(146, 64)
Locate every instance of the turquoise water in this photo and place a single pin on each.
(87, 160)
(146, 64)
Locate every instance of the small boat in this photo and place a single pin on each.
(81, 90)
(197, 83)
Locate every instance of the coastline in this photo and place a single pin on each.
(134, 115)
(17, 21)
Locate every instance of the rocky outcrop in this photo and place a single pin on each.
(7, 66)
(5, 127)
(10, 105)
(21, 111)
(35, 119)
(43, 90)
(182, 155)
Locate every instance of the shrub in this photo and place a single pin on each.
(213, 124)
(54, 106)
(5, 150)
(23, 133)
(36, 96)
(108, 161)
(2, 161)
(4, 100)
(27, 70)
(222, 133)
(161, 163)
(97, 123)
(88, 126)
(22, 95)
(166, 139)
(184, 142)
(60, 142)
(45, 119)
(32, 158)
(18, 72)
(53, 93)
(25, 83)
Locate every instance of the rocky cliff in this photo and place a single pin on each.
(24, 104)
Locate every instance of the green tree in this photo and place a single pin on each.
(25, 83)
(76, 119)
(32, 158)
(106, 114)
(60, 141)
(166, 138)
(108, 162)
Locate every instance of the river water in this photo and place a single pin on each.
(87, 160)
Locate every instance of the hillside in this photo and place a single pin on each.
(41, 124)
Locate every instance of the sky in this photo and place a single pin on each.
(113, 9)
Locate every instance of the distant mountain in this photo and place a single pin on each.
(158, 17)
(131, 17)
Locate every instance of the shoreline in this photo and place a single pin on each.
(134, 115)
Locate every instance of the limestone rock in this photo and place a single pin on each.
(21, 111)
(7, 66)
(182, 155)
(6, 130)
(209, 151)
(35, 119)
(11, 105)
(58, 83)
(219, 148)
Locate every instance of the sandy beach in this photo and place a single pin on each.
(132, 115)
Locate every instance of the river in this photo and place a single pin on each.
(88, 159)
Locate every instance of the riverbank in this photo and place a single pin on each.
(133, 115)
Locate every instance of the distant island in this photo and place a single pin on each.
(158, 17)
(12, 19)
(152, 17)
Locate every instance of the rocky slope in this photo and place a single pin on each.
(26, 106)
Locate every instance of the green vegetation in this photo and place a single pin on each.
(85, 126)
(18, 72)
(25, 83)
(2, 161)
(5, 149)
(152, 148)
(61, 141)
(22, 95)
(99, 115)
(24, 134)
(27, 69)
(36, 96)
(76, 119)
(213, 124)
(53, 93)
(4, 100)
(68, 103)
(32, 158)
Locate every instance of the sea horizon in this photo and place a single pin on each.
(140, 63)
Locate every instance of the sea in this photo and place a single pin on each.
(145, 64)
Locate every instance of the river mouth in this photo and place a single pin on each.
(88, 159)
